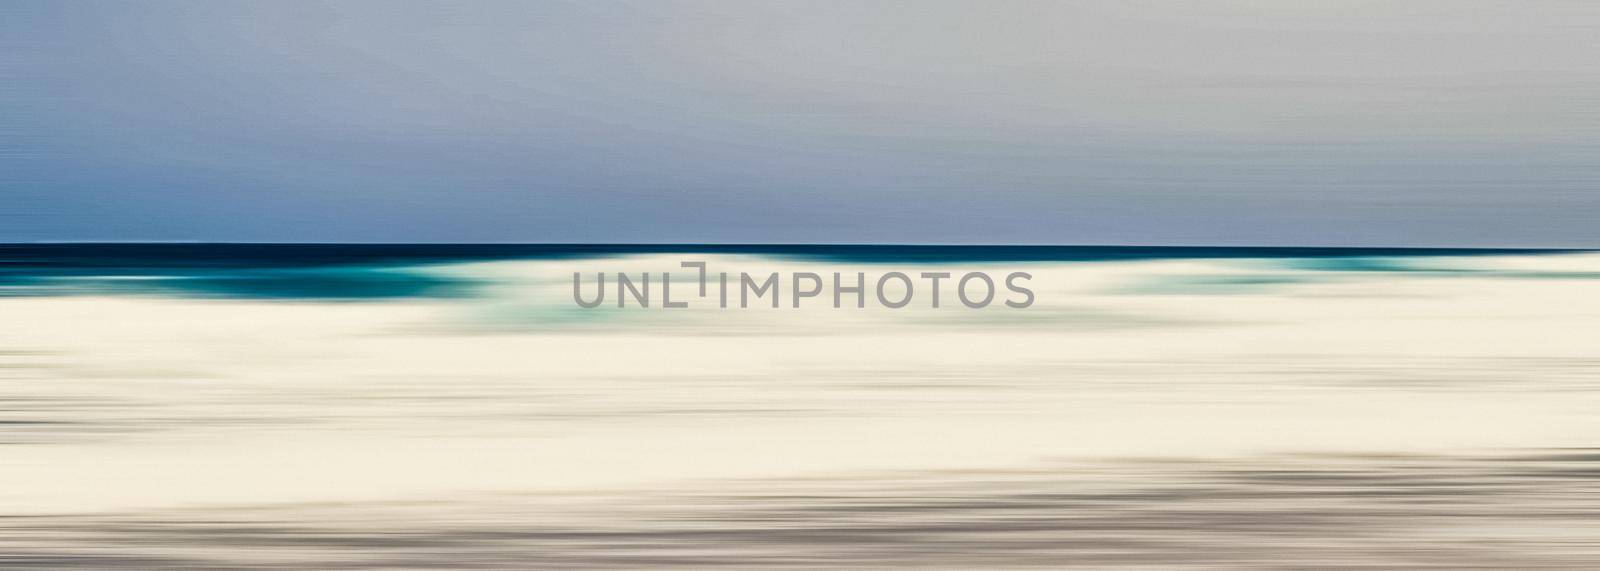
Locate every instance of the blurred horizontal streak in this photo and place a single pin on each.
(1531, 509)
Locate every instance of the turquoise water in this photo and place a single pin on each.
(379, 271)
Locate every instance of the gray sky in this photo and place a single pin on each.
(1429, 123)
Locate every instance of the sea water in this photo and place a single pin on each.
(379, 406)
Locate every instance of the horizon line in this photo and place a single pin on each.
(781, 245)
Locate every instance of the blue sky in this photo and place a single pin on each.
(1420, 123)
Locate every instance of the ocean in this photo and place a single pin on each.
(390, 406)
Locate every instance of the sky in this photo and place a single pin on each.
(1209, 122)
